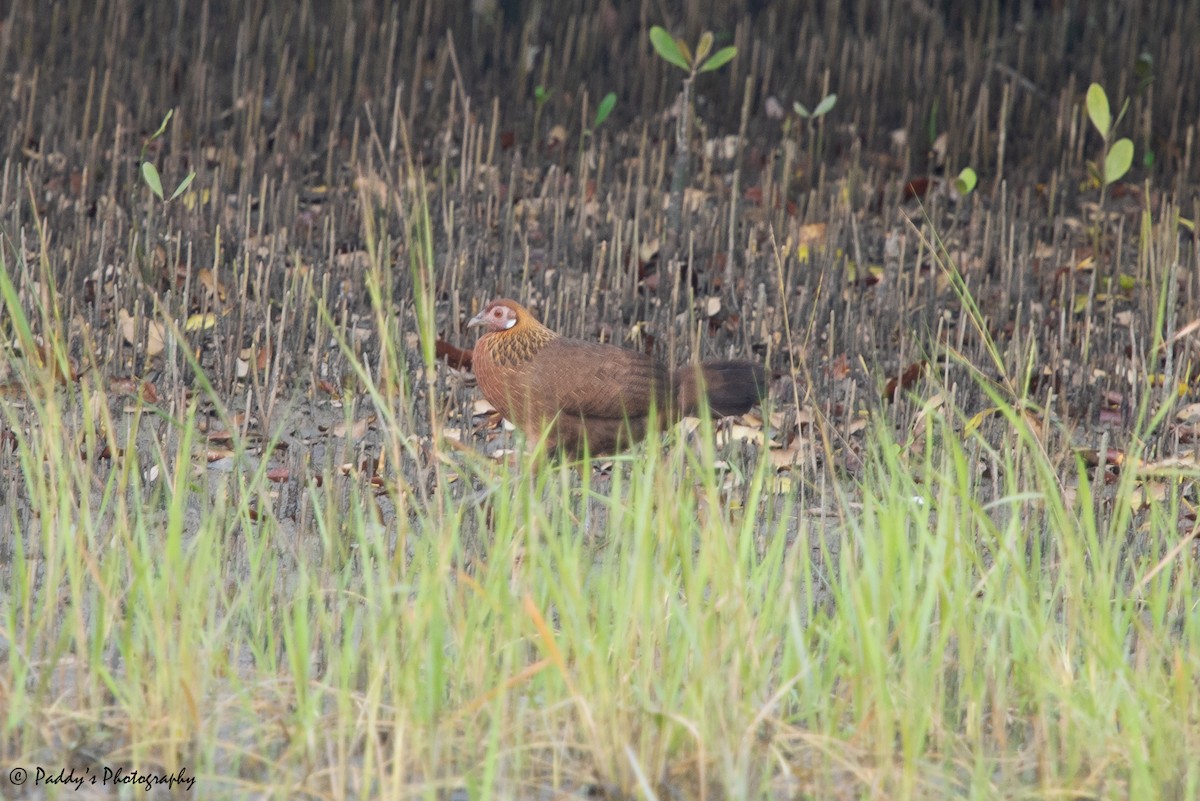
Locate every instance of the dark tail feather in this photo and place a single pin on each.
(732, 387)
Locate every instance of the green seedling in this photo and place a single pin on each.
(676, 51)
(602, 112)
(823, 107)
(604, 109)
(1118, 155)
(827, 103)
(541, 96)
(965, 183)
(150, 173)
(693, 62)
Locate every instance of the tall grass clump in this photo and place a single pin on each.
(968, 614)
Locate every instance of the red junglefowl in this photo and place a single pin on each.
(589, 395)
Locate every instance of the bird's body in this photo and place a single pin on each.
(575, 392)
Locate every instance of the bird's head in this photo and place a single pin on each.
(500, 315)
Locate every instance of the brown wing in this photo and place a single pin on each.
(589, 379)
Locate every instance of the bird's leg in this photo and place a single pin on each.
(601, 472)
(723, 425)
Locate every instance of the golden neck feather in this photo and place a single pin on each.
(520, 342)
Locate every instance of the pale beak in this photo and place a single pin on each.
(477, 320)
